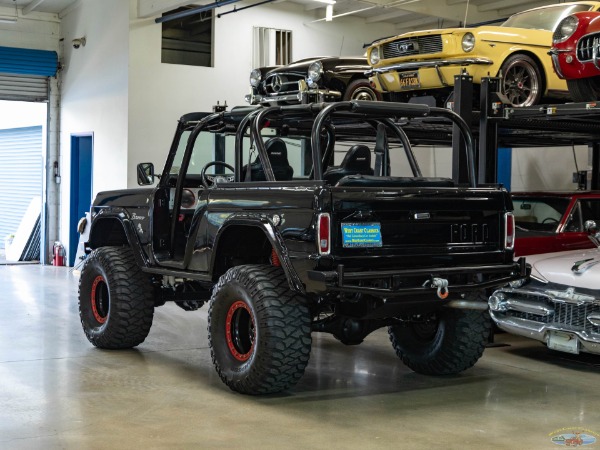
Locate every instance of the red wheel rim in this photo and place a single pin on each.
(239, 331)
(99, 299)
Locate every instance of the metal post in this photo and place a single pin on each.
(487, 154)
(595, 151)
(463, 106)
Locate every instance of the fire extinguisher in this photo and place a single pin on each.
(58, 252)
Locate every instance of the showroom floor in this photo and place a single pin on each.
(59, 392)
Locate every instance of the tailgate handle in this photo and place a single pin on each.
(360, 215)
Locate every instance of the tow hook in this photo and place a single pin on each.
(442, 286)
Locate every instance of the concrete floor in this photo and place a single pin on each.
(57, 391)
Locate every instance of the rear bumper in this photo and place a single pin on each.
(366, 282)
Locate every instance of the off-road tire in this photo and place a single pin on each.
(258, 330)
(584, 89)
(453, 343)
(116, 299)
(360, 89)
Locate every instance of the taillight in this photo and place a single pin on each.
(323, 233)
(509, 231)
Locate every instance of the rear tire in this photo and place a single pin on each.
(116, 299)
(450, 341)
(584, 89)
(258, 330)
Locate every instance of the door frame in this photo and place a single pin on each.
(75, 191)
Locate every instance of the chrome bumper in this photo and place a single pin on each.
(535, 314)
(308, 96)
(429, 64)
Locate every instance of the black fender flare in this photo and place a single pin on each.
(264, 223)
(122, 216)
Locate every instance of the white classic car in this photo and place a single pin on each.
(559, 304)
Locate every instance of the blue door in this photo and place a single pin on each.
(81, 187)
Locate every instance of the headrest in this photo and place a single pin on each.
(357, 158)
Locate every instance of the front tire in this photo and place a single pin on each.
(361, 90)
(258, 330)
(443, 343)
(584, 89)
(116, 299)
(521, 80)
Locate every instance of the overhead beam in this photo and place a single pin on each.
(153, 8)
(390, 14)
(31, 6)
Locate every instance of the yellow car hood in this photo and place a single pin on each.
(487, 33)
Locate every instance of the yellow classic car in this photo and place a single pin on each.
(424, 63)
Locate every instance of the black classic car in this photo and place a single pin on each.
(312, 80)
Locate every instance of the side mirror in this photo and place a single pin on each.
(593, 232)
(145, 174)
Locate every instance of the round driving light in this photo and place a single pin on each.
(374, 56)
(565, 29)
(315, 70)
(468, 42)
(255, 77)
(569, 59)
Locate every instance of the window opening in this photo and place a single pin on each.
(189, 40)
(271, 47)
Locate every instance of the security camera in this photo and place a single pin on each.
(78, 42)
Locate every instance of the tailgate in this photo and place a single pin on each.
(417, 222)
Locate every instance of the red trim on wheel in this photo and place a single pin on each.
(233, 329)
(100, 319)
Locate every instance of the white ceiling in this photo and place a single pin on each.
(406, 15)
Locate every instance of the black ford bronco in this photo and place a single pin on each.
(297, 219)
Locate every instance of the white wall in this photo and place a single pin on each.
(94, 94)
(546, 169)
(161, 93)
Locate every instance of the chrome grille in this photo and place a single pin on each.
(420, 45)
(573, 316)
(585, 47)
(281, 84)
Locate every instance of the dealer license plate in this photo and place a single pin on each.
(361, 234)
(409, 80)
(563, 342)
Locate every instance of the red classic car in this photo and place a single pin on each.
(548, 222)
(576, 54)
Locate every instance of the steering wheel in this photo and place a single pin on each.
(210, 180)
(549, 219)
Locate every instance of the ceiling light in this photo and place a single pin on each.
(10, 19)
(328, 13)
(328, 2)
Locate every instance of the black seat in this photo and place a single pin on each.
(356, 162)
(277, 153)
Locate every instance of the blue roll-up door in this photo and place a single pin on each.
(24, 73)
(25, 61)
(20, 175)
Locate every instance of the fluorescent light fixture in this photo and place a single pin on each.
(328, 2)
(346, 13)
(328, 13)
(10, 19)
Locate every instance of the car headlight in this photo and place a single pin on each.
(315, 70)
(255, 77)
(374, 56)
(565, 29)
(468, 42)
